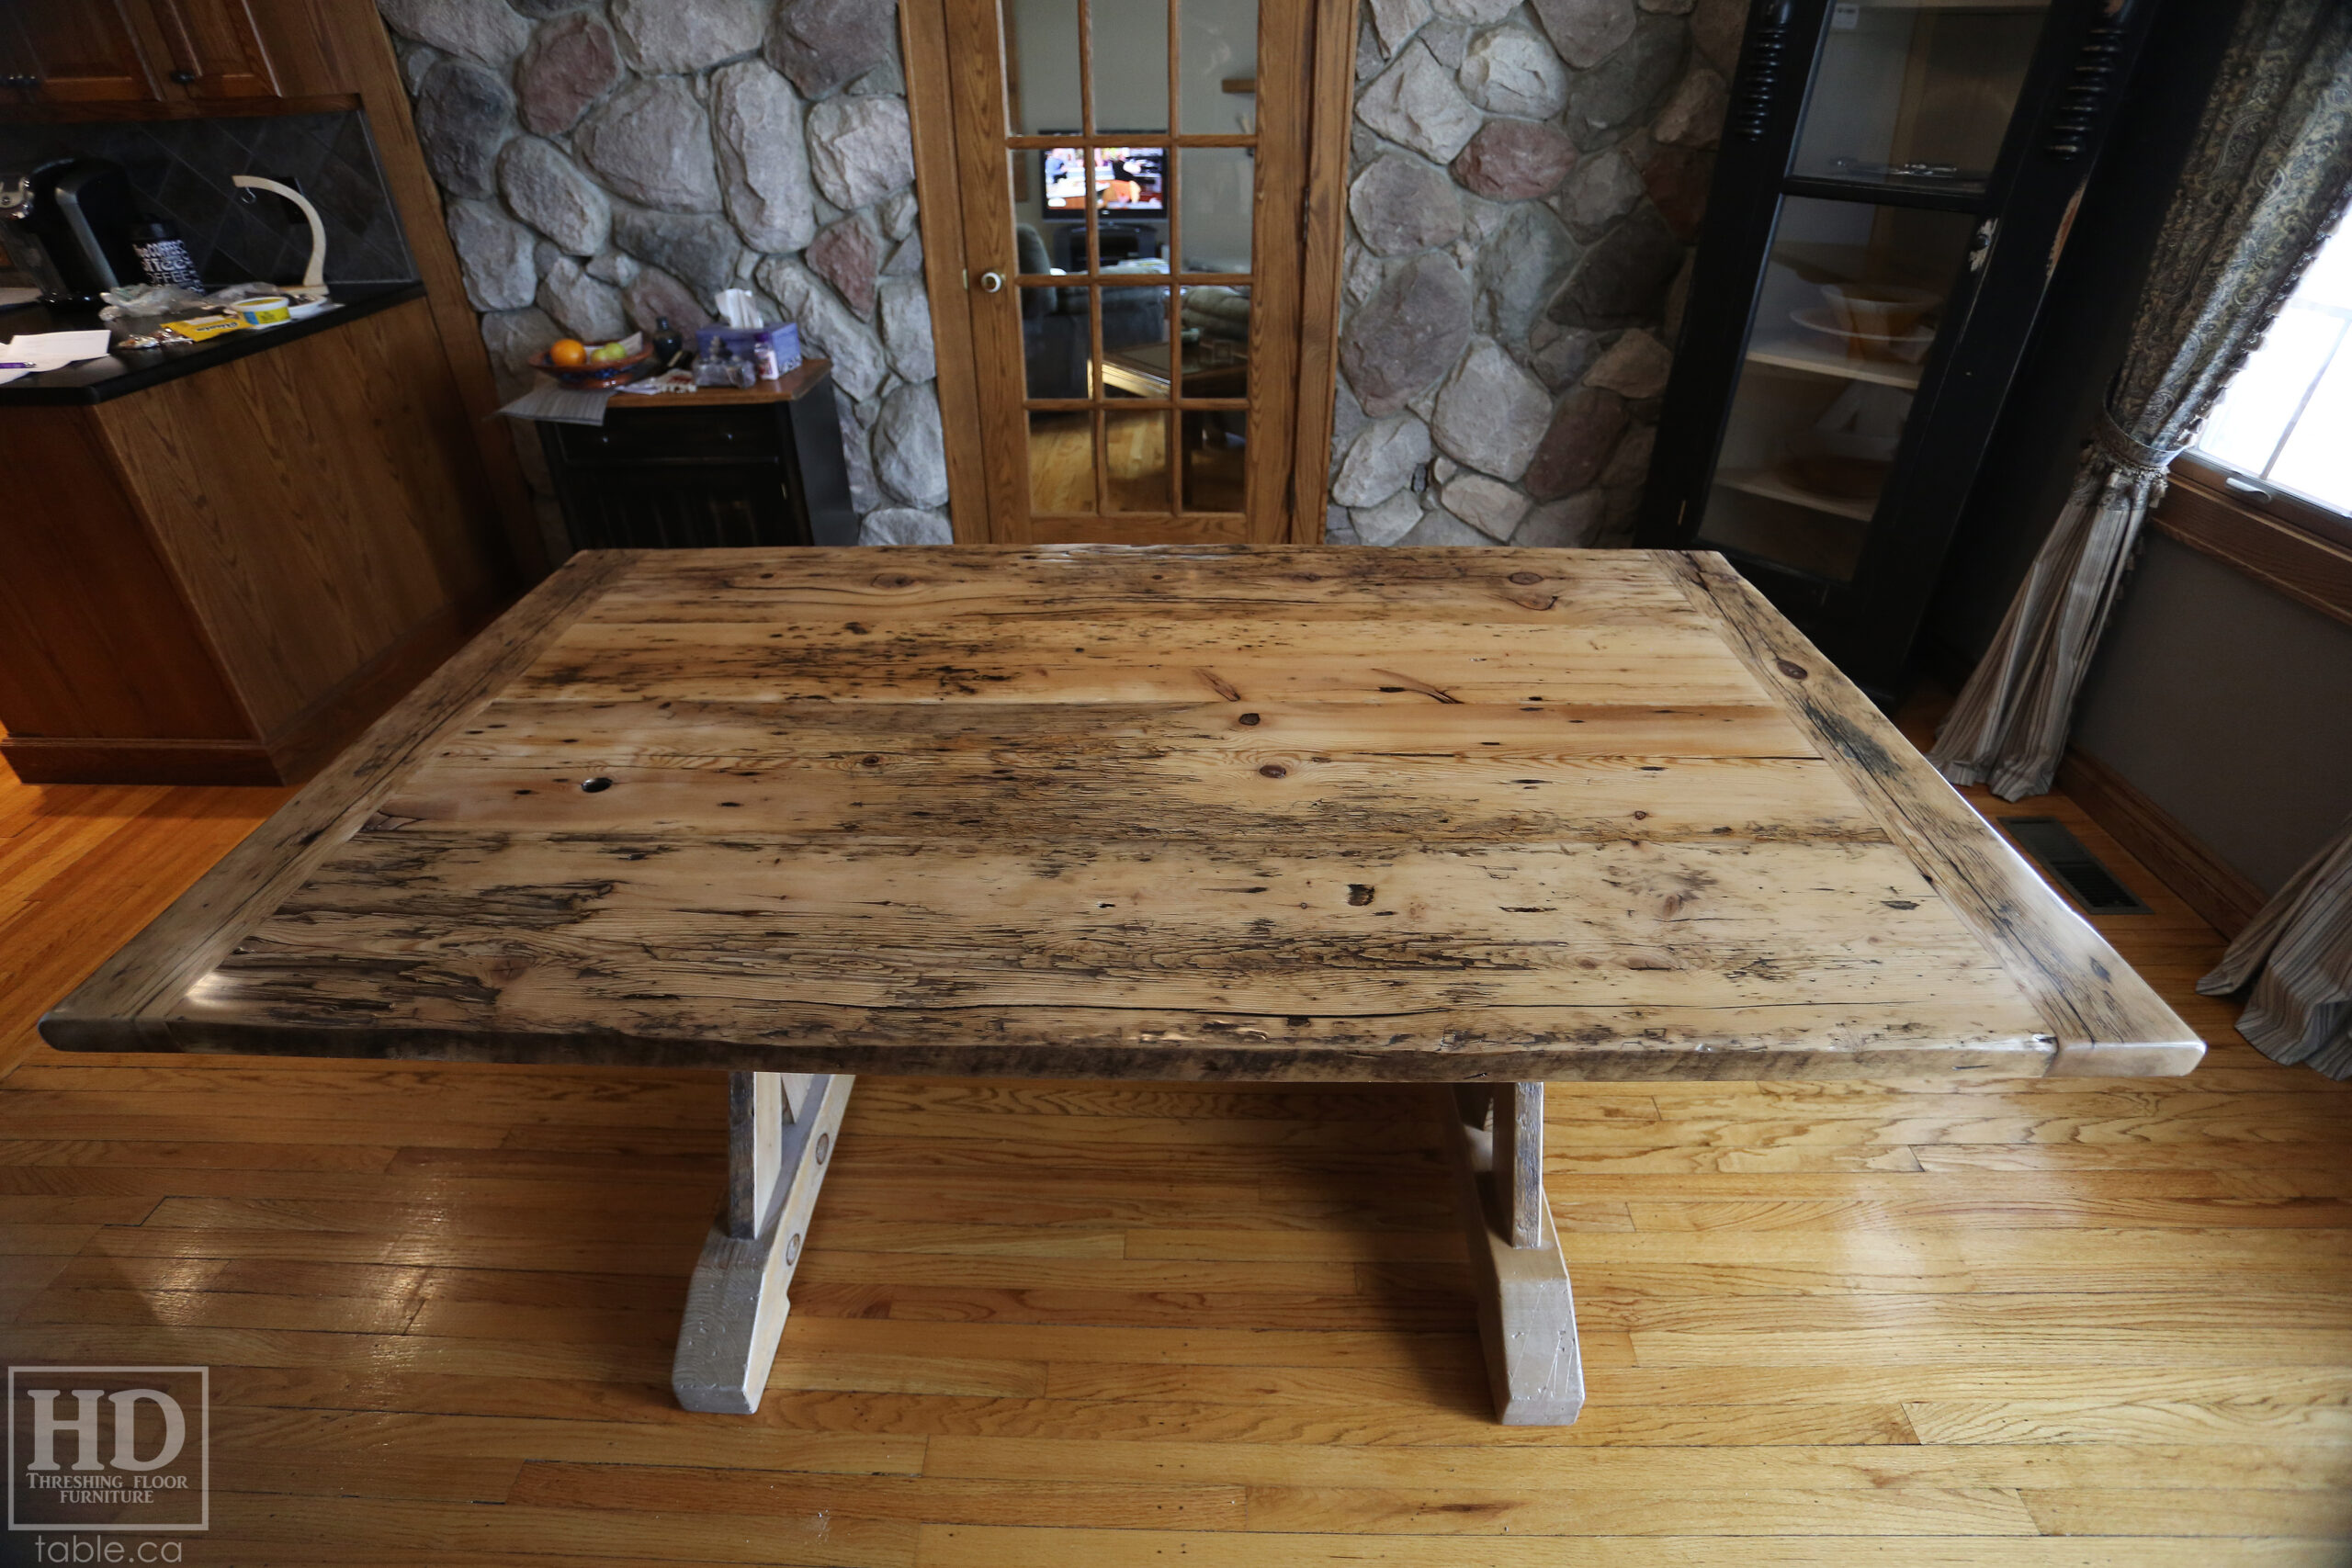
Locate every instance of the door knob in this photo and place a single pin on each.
(991, 282)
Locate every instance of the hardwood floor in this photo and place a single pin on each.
(2025, 1324)
(1061, 461)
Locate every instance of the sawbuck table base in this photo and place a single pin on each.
(781, 1131)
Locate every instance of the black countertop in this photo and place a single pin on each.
(134, 370)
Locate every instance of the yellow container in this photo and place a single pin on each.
(264, 310)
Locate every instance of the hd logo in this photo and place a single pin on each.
(106, 1449)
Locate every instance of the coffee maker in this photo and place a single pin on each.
(67, 224)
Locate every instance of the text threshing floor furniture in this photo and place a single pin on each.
(1482, 819)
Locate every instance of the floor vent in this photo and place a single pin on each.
(2076, 869)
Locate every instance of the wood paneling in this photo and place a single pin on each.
(316, 503)
(2042, 1339)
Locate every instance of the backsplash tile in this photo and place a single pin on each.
(181, 169)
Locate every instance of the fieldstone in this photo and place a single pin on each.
(1389, 522)
(540, 10)
(905, 330)
(548, 191)
(464, 114)
(905, 526)
(614, 268)
(1368, 55)
(656, 294)
(763, 157)
(1520, 271)
(1381, 461)
(1447, 43)
(1512, 72)
(1414, 102)
(699, 249)
(1476, 13)
(1716, 27)
(1629, 464)
(1515, 159)
(494, 253)
(512, 337)
(1492, 414)
(1489, 505)
(668, 36)
(1634, 367)
(1394, 22)
(1678, 180)
(1442, 468)
(1582, 434)
(1569, 524)
(910, 448)
(1603, 190)
(1560, 355)
(572, 62)
(417, 59)
(1622, 279)
(897, 216)
(1402, 205)
(827, 327)
(848, 256)
(1407, 334)
(860, 150)
(1667, 7)
(1633, 76)
(1587, 32)
(824, 44)
(1337, 529)
(907, 260)
(1693, 113)
(486, 30)
(1442, 529)
(650, 142)
(587, 308)
(1364, 276)
(885, 80)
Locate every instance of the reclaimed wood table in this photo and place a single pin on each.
(1477, 819)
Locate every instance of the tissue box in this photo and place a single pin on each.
(784, 339)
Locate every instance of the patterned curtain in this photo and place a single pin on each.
(2298, 953)
(2264, 186)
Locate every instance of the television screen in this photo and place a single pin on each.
(1127, 179)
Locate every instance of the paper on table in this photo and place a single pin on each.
(47, 351)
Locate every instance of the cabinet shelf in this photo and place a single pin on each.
(1772, 487)
(1790, 354)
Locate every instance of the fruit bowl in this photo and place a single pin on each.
(591, 377)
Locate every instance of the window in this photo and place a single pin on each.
(2280, 426)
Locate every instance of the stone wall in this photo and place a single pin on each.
(1526, 184)
(605, 163)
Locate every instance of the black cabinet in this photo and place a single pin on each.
(1894, 184)
(709, 468)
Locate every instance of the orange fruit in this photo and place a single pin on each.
(568, 353)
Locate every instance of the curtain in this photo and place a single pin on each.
(2265, 182)
(2298, 953)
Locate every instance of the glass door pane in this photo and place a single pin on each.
(1916, 93)
(1852, 298)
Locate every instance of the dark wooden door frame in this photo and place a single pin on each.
(931, 69)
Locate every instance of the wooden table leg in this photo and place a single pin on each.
(1527, 1318)
(781, 1130)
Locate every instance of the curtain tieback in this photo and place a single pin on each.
(2128, 452)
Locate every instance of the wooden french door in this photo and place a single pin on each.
(1135, 267)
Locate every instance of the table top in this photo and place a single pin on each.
(1170, 812)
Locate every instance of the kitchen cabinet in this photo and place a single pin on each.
(223, 576)
(1895, 182)
(127, 51)
(74, 51)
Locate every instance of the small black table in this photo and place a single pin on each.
(720, 466)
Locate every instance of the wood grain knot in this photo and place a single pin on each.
(595, 787)
(1359, 893)
(1794, 672)
(1275, 771)
(1247, 719)
(1524, 578)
